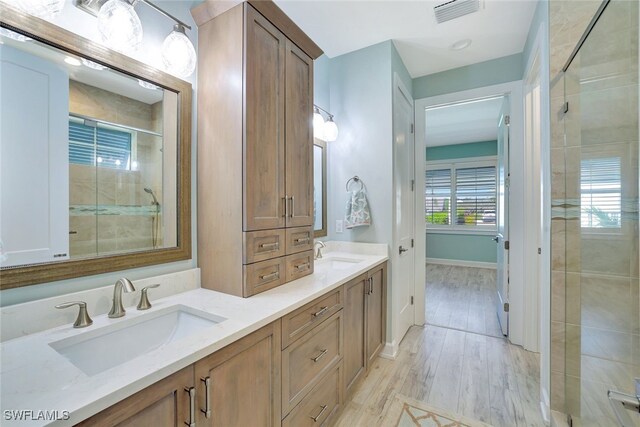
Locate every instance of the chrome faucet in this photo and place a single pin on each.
(117, 309)
(319, 249)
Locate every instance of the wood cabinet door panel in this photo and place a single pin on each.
(244, 382)
(164, 404)
(264, 139)
(376, 314)
(299, 136)
(354, 328)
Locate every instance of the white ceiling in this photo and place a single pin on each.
(462, 123)
(500, 28)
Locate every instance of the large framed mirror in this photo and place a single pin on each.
(319, 188)
(95, 152)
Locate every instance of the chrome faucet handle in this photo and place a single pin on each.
(144, 303)
(83, 320)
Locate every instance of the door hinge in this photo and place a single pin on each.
(412, 243)
(565, 107)
(411, 127)
(506, 307)
(506, 245)
(507, 120)
(413, 184)
(411, 299)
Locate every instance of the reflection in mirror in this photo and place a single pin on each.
(319, 188)
(88, 158)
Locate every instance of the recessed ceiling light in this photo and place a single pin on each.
(72, 61)
(461, 44)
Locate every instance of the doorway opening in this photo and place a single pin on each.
(466, 203)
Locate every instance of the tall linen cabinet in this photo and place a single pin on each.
(255, 150)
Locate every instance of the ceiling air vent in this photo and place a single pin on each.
(455, 9)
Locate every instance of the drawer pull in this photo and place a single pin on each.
(302, 267)
(192, 406)
(302, 240)
(274, 275)
(207, 397)
(320, 356)
(271, 246)
(321, 312)
(317, 417)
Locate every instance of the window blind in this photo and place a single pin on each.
(476, 196)
(438, 196)
(600, 193)
(90, 145)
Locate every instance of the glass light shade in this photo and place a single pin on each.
(120, 26)
(41, 8)
(178, 54)
(318, 125)
(330, 130)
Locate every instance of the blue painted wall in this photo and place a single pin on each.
(462, 247)
(496, 71)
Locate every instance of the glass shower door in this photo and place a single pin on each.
(602, 298)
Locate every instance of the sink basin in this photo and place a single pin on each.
(337, 263)
(96, 351)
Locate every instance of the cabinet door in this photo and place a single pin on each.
(163, 404)
(354, 318)
(243, 382)
(264, 143)
(376, 313)
(299, 136)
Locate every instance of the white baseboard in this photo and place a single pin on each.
(390, 351)
(461, 263)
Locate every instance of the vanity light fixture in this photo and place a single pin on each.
(327, 131)
(121, 29)
(46, 9)
(72, 61)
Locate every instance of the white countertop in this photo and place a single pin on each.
(33, 376)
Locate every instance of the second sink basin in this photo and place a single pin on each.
(96, 351)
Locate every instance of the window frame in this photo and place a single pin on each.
(454, 165)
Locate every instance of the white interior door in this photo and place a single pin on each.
(502, 237)
(403, 170)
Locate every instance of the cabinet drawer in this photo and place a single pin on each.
(321, 405)
(306, 361)
(299, 265)
(263, 245)
(263, 276)
(299, 322)
(299, 239)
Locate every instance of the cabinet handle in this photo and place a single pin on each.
(192, 406)
(320, 356)
(321, 312)
(274, 275)
(302, 267)
(284, 200)
(302, 240)
(207, 397)
(317, 417)
(293, 201)
(368, 291)
(273, 246)
(370, 285)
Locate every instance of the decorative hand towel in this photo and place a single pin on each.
(357, 212)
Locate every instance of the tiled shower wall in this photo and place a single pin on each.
(125, 222)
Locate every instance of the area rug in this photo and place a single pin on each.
(406, 412)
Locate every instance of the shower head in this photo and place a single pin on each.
(150, 191)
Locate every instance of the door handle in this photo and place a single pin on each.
(401, 250)
(496, 239)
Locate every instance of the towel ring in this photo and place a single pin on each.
(355, 179)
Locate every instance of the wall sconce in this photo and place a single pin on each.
(121, 29)
(327, 131)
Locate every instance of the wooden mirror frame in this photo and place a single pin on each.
(50, 34)
(323, 231)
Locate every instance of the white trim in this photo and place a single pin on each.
(461, 263)
(480, 159)
(390, 350)
(545, 407)
(460, 230)
(514, 91)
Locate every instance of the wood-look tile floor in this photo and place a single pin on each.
(462, 298)
(481, 377)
